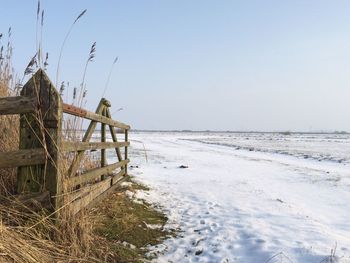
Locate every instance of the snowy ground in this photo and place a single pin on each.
(248, 197)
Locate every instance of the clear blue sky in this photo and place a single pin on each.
(197, 64)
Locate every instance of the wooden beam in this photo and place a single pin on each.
(73, 110)
(17, 105)
(126, 151)
(105, 120)
(94, 174)
(22, 158)
(116, 182)
(85, 146)
(86, 189)
(43, 129)
(90, 196)
(87, 136)
(103, 139)
(114, 137)
(94, 192)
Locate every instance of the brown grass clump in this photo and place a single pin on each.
(17, 246)
(9, 125)
(27, 235)
(128, 227)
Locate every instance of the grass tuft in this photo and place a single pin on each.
(130, 227)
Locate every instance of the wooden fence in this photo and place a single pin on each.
(44, 150)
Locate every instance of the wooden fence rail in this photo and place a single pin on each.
(17, 105)
(43, 148)
(73, 110)
(22, 158)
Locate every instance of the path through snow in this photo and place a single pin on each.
(243, 206)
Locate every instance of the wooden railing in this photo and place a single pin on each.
(43, 149)
(94, 182)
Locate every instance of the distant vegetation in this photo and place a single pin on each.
(341, 132)
(286, 133)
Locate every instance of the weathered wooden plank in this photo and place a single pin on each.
(73, 110)
(82, 192)
(117, 177)
(22, 158)
(114, 137)
(42, 129)
(31, 178)
(93, 174)
(126, 151)
(99, 118)
(70, 109)
(103, 139)
(17, 105)
(115, 185)
(95, 193)
(86, 189)
(84, 146)
(82, 202)
(87, 136)
(51, 111)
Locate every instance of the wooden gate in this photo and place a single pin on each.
(44, 150)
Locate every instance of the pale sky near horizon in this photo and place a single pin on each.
(199, 64)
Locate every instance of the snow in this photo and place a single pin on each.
(248, 197)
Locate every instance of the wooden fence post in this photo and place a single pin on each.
(103, 139)
(126, 152)
(42, 129)
(114, 136)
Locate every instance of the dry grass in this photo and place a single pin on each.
(46, 242)
(9, 125)
(128, 227)
(26, 235)
(29, 234)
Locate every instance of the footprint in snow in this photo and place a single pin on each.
(198, 252)
(196, 243)
(260, 241)
(246, 235)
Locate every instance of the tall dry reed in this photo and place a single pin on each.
(9, 125)
(27, 235)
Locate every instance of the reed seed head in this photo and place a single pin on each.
(92, 52)
(30, 67)
(79, 16)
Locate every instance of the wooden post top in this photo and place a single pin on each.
(106, 102)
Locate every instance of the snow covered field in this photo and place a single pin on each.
(248, 197)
